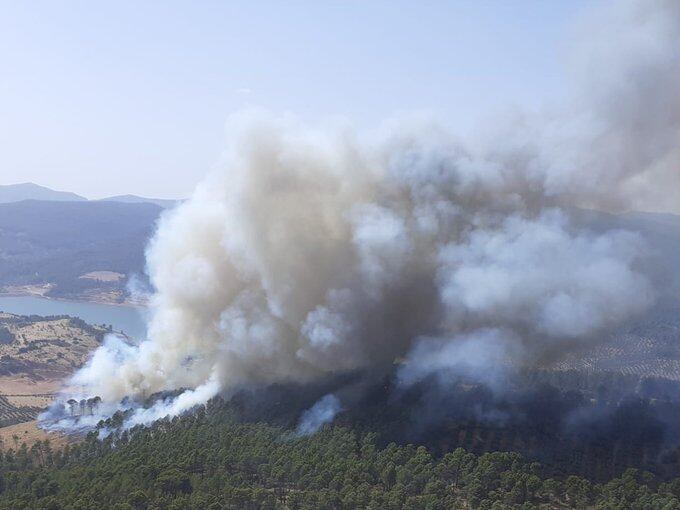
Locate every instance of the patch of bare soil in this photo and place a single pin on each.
(26, 386)
(102, 276)
(21, 400)
(27, 290)
(40, 401)
(29, 433)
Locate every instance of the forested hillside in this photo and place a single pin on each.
(58, 242)
(211, 460)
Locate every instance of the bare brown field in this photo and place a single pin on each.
(40, 401)
(103, 276)
(18, 385)
(36, 355)
(29, 433)
(21, 400)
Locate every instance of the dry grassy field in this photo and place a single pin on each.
(36, 354)
(29, 433)
(44, 348)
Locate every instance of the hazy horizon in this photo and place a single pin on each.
(103, 197)
(107, 100)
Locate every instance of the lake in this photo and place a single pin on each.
(127, 319)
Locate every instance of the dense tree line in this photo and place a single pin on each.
(589, 428)
(211, 460)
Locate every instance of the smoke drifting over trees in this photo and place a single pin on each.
(314, 252)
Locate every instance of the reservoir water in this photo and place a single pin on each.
(128, 319)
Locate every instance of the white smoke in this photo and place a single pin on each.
(484, 355)
(315, 252)
(318, 415)
(114, 351)
(616, 144)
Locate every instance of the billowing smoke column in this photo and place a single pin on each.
(314, 252)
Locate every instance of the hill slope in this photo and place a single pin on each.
(36, 353)
(58, 242)
(29, 191)
(45, 347)
(134, 199)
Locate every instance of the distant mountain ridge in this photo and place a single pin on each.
(28, 191)
(11, 193)
(165, 203)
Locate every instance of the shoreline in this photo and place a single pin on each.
(125, 304)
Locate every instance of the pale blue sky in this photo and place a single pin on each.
(131, 96)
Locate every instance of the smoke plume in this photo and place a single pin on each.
(318, 415)
(314, 252)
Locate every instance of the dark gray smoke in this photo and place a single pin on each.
(314, 252)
